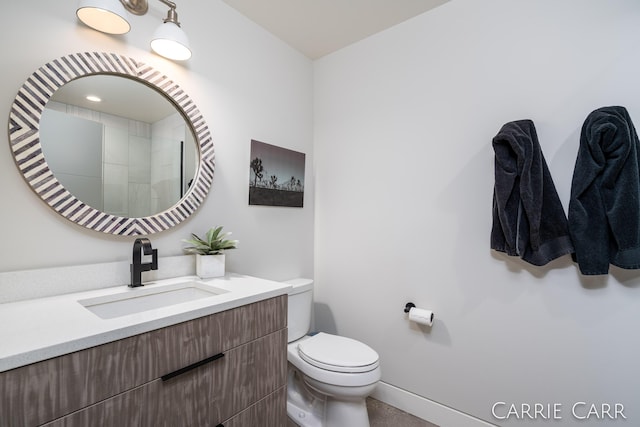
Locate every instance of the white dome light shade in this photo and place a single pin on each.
(108, 16)
(171, 42)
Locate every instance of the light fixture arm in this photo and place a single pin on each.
(137, 7)
(171, 4)
(172, 15)
(140, 7)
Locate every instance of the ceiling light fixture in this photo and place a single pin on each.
(169, 40)
(111, 17)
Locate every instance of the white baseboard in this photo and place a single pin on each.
(426, 409)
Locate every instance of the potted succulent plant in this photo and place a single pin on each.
(210, 258)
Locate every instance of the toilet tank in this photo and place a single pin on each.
(299, 308)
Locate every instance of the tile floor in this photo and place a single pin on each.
(383, 415)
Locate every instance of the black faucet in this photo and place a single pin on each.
(142, 244)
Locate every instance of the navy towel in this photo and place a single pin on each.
(528, 218)
(604, 211)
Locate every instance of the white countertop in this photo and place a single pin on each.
(39, 329)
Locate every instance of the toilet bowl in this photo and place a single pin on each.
(329, 376)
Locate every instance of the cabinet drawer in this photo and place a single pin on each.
(126, 409)
(200, 397)
(41, 392)
(38, 393)
(190, 342)
(268, 412)
(214, 392)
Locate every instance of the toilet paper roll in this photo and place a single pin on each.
(421, 316)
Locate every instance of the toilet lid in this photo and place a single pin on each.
(338, 354)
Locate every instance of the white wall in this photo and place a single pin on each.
(246, 83)
(403, 123)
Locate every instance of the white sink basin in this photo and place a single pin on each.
(137, 300)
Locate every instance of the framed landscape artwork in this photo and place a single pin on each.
(276, 176)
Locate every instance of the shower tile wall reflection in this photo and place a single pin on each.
(142, 163)
(166, 155)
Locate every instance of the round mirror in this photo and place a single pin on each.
(118, 145)
(111, 144)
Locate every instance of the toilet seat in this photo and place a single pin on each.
(338, 354)
(343, 379)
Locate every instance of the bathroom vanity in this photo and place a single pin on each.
(176, 352)
(210, 361)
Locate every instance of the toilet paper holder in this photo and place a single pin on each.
(421, 316)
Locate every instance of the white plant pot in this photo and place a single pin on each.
(208, 266)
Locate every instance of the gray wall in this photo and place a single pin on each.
(403, 127)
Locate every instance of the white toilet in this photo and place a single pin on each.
(329, 377)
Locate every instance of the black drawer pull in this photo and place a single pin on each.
(220, 425)
(190, 367)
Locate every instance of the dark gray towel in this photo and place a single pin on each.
(604, 211)
(528, 218)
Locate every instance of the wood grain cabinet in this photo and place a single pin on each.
(227, 368)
